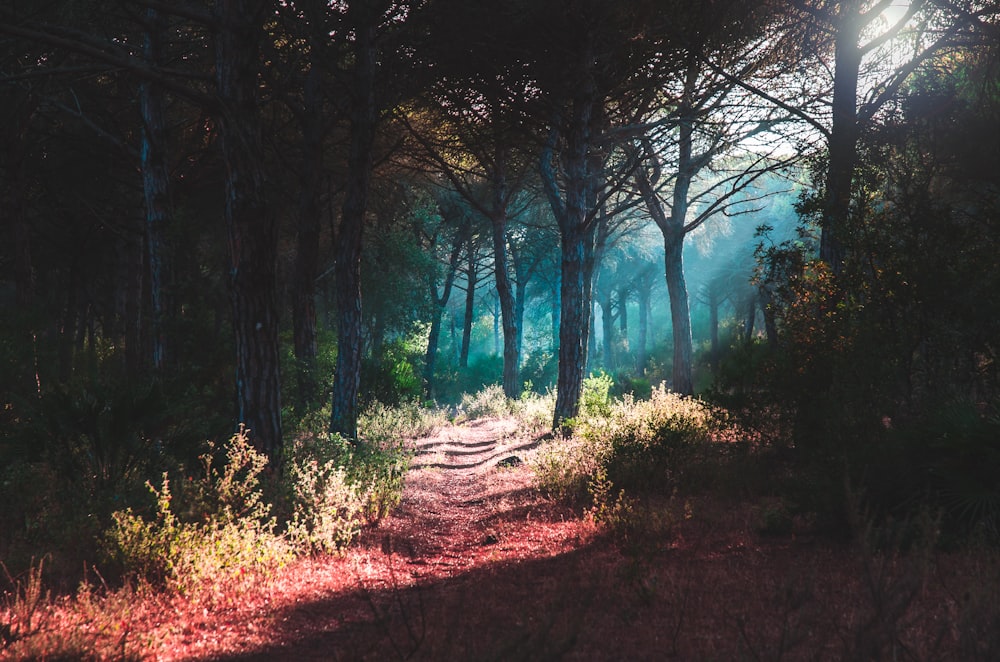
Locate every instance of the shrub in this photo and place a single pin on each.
(595, 398)
(380, 423)
(534, 411)
(326, 508)
(649, 445)
(228, 531)
(490, 402)
(563, 468)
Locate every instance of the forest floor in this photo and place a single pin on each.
(477, 564)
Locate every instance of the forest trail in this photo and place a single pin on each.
(462, 548)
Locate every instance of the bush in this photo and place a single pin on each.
(595, 398)
(326, 508)
(490, 402)
(379, 423)
(648, 445)
(227, 533)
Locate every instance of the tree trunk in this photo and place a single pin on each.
(644, 294)
(347, 376)
(713, 327)
(251, 226)
(156, 188)
(680, 316)
(497, 341)
(623, 293)
(574, 323)
(608, 329)
(430, 357)
(511, 325)
(751, 318)
(843, 138)
(471, 281)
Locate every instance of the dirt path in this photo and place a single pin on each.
(469, 520)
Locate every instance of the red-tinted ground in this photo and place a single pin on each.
(477, 565)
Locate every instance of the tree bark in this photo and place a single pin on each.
(574, 324)
(680, 316)
(347, 375)
(156, 188)
(250, 224)
(843, 136)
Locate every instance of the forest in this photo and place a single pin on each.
(259, 257)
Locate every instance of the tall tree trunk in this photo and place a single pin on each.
(680, 316)
(576, 232)
(250, 224)
(307, 240)
(574, 324)
(156, 188)
(347, 376)
(843, 136)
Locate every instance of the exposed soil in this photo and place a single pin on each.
(478, 565)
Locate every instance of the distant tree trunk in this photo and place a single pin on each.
(770, 323)
(440, 304)
(308, 234)
(751, 318)
(347, 376)
(156, 188)
(497, 340)
(430, 357)
(520, 293)
(713, 327)
(623, 293)
(644, 294)
(471, 281)
(250, 224)
(673, 230)
(509, 320)
(608, 329)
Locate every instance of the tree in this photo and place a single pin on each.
(251, 225)
(597, 55)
